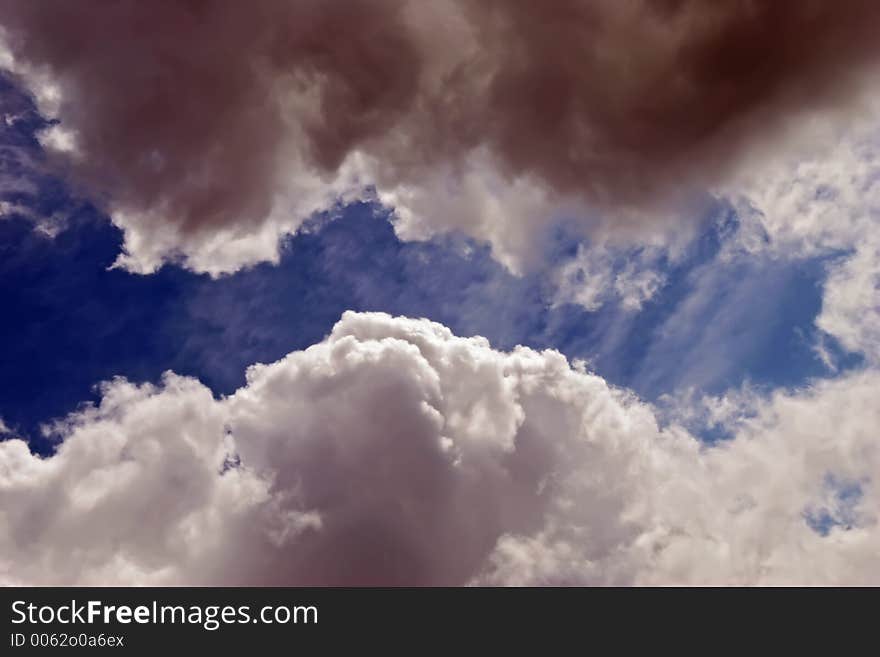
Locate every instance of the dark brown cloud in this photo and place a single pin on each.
(193, 106)
(179, 101)
(622, 99)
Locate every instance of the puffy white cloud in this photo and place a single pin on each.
(394, 452)
(137, 493)
(792, 499)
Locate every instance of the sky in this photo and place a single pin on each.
(287, 318)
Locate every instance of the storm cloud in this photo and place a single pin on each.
(210, 123)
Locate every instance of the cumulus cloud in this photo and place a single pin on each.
(210, 128)
(394, 452)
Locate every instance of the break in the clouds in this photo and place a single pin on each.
(211, 128)
(821, 200)
(394, 452)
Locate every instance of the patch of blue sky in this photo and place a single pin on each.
(839, 507)
(720, 320)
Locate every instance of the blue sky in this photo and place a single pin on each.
(72, 322)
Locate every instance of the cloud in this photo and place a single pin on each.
(744, 512)
(134, 494)
(394, 452)
(211, 128)
(851, 309)
(597, 274)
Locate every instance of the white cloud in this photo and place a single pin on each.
(823, 196)
(481, 202)
(734, 514)
(135, 494)
(599, 273)
(851, 307)
(395, 452)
